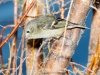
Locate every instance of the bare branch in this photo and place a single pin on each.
(16, 27)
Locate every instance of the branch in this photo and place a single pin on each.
(77, 14)
(16, 27)
(14, 40)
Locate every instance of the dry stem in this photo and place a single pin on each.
(16, 27)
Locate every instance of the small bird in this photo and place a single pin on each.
(47, 26)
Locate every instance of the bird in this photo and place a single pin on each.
(48, 26)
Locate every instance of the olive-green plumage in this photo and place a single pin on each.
(46, 27)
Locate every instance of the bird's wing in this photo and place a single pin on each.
(60, 24)
(48, 25)
(55, 25)
(52, 25)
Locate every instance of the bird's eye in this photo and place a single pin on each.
(28, 31)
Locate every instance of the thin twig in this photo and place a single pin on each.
(1, 37)
(48, 8)
(22, 62)
(62, 16)
(83, 67)
(16, 27)
(95, 8)
(22, 54)
(14, 40)
(76, 69)
(38, 53)
(9, 60)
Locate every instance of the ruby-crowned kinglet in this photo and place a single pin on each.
(47, 26)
